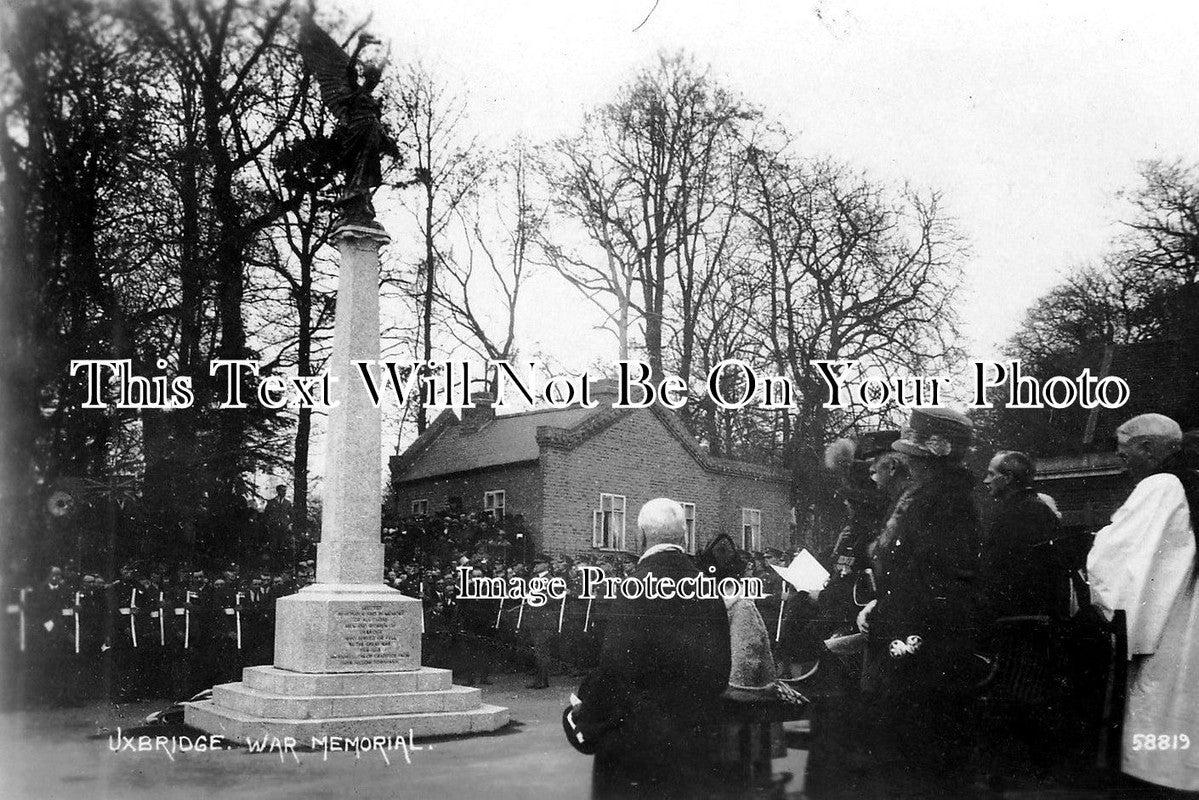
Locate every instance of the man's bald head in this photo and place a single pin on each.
(1146, 441)
(1152, 426)
(661, 521)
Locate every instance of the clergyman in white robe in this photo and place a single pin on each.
(1144, 563)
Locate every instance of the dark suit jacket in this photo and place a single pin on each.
(662, 667)
(1022, 572)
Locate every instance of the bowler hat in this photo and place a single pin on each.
(936, 433)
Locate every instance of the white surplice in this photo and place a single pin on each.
(1144, 563)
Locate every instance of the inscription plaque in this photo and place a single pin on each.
(374, 633)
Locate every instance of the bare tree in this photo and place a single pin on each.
(447, 167)
(73, 113)
(724, 327)
(296, 283)
(224, 55)
(502, 227)
(1164, 240)
(853, 271)
(606, 277)
(644, 180)
(1139, 291)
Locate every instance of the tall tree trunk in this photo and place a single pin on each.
(299, 520)
(422, 420)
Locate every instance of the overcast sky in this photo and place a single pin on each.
(1028, 116)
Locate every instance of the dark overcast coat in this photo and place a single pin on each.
(662, 667)
(927, 572)
(1021, 572)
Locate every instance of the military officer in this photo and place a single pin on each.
(920, 669)
(50, 639)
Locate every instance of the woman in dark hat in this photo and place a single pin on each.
(920, 668)
(837, 760)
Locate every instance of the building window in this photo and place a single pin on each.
(689, 522)
(420, 508)
(751, 529)
(493, 503)
(607, 523)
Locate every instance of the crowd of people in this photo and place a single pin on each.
(160, 630)
(945, 656)
(988, 647)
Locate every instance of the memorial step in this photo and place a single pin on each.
(246, 700)
(273, 680)
(236, 726)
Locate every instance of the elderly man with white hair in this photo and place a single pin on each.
(1144, 564)
(663, 665)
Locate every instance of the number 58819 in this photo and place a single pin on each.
(1160, 741)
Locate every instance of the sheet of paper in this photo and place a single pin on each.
(804, 573)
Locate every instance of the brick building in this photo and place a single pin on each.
(579, 476)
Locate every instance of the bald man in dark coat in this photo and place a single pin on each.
(663, 665)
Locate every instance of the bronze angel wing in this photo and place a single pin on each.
(331, 66)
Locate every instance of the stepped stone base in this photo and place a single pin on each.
(273, 680)
(274, 702)
(237, 727)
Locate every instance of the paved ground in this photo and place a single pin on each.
(69, 753)
(66, 754)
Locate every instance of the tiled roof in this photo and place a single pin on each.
(445, 449)
(508, 439)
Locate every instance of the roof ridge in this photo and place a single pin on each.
(571, 407)
(494, 444)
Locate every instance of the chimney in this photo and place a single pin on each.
(480, 415)
(605, 392)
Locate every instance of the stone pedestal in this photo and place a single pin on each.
(347, 628)
(347, 648)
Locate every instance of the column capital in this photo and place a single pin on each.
(374, 233)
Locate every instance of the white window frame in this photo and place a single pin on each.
(751, 529)
(420, 507)
(608, 522)
(494, 503)
(689, 540)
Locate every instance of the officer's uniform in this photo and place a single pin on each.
(92, 656)
(223, 635)
(14, 650)
(50, 642)
(144, 646)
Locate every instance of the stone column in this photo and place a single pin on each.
(347, 648)
(350, 551)
(349, 620)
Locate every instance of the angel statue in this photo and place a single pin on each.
(360, 139)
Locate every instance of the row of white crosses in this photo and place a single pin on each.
(18, 609)
(130, 611)
(803, 571)
(520, 614)
(561, 615)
